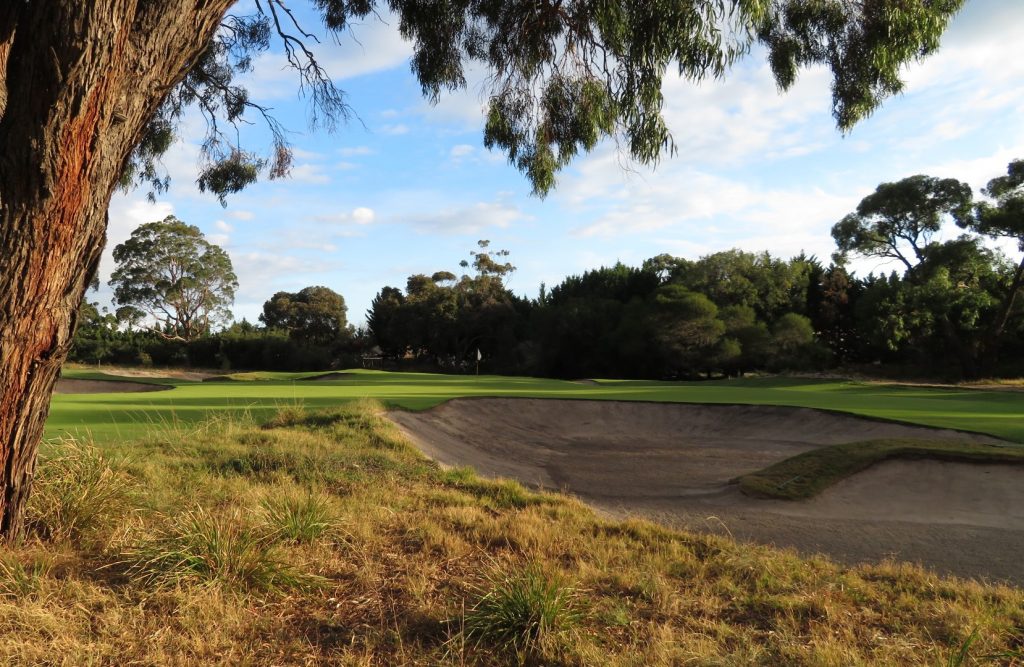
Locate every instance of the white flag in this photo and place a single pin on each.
(478, 355)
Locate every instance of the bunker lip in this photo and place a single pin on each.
(78, 386)
(673, 462)
(160, 374)
(329, 377)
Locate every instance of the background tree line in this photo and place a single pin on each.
(952, 309)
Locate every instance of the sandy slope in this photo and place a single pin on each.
(673, 462)
(75, 386)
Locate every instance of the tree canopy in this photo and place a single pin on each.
(562, 75)
(313, 315)
(898, 220)
(169, 272)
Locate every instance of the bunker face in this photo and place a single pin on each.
(620, 450)
(74, 386)
(331, 377)
(674, 463)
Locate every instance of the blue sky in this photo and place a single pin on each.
(408, 188)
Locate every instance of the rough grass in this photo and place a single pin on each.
(417, 565)
(808, 474)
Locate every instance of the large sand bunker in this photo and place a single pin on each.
(675, 462)
(76, 386)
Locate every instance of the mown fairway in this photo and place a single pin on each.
(122, 415)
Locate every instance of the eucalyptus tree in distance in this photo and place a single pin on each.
(898, 220)
(91, 94)
(181, 283)
(315, 315)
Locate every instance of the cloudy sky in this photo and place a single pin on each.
(408, 187)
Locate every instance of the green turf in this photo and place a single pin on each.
(108, 416)
(810, 473)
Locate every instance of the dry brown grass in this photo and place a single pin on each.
(392, 560)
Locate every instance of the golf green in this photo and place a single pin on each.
(109, 416)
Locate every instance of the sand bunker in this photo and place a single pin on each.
(615, 449)
(674, 463)
(167, 374)
(330, 377)
(75, 386)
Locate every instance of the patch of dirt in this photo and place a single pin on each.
(674, 463)
(589, 383)
(330, 377)
(76, 386)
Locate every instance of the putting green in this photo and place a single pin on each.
(124, 415)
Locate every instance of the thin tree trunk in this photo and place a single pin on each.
(81, 79)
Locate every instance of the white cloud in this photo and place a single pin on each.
(976, 171)
(363, 215)
(258, 270)
(394, 130)
(352, 151)
(366, 48)
(461, 150)
(223, 226)
(301, 154)
(468, 219)
(242, 215)
(312, 174)
(341, 224)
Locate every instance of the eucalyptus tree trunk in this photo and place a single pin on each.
(78, 81)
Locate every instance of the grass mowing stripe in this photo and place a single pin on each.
(808, 474)
(109, 416)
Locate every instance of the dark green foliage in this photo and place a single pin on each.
(444, 320)
(864, 44)
(313, 315)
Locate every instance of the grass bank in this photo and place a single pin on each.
(117, 416)
(808, 474)
(325, 538)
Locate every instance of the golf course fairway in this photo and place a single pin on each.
(123, 415)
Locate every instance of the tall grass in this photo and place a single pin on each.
(299, 518)
(523, 613)
(200, 547)
(76, 491)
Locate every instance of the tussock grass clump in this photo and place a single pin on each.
(524, 613)
(77, 491)
(201, 547)
(299, 518)
(20, 579)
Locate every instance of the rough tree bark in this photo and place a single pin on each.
(78, 81)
